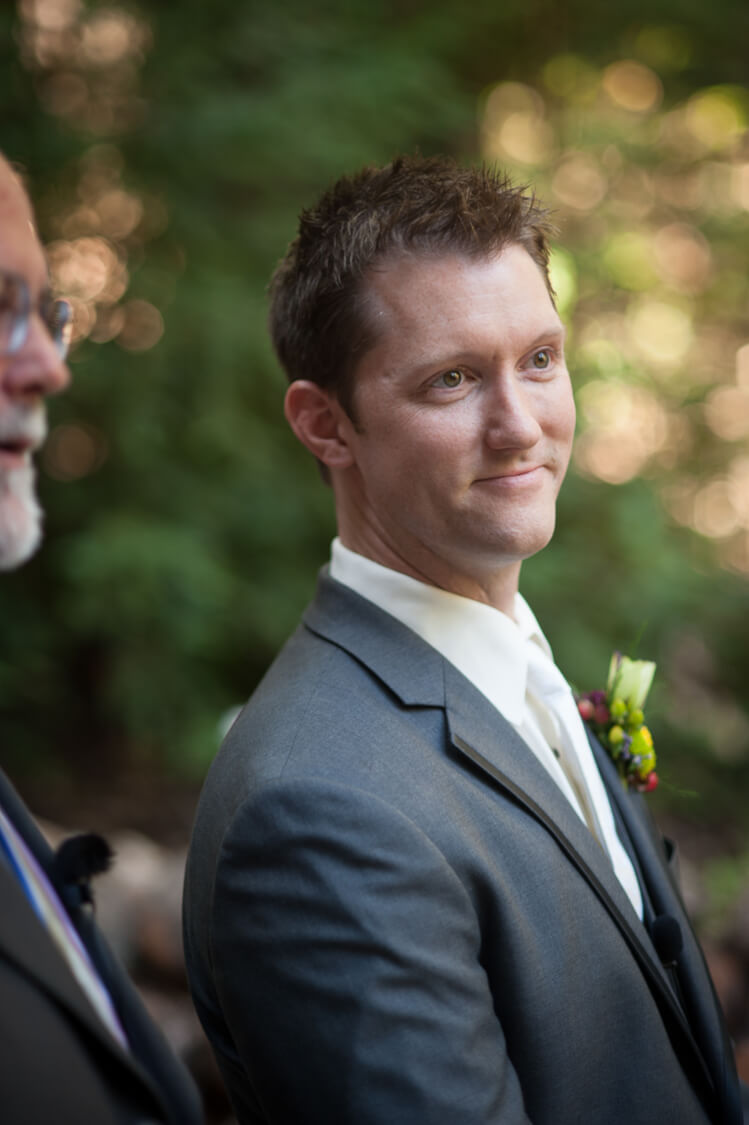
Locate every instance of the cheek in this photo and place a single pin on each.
(568, 425)
(441, 460)
(417, 451)
(561, 418)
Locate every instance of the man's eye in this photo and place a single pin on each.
(542, 359)
(451, 379)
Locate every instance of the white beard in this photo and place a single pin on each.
(20, 516)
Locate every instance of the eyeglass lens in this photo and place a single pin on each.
(15, 311)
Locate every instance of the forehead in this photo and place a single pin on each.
(413, 295)
(20, 250)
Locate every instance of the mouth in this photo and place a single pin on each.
(15, 452)
(522, 475)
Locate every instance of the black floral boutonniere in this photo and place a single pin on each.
(616, 718)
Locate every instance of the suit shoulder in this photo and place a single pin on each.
(316, 703)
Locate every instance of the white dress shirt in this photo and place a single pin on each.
(494, 651)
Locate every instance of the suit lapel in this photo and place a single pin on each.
(493, 747)
(25, 942)
(486, 743)
(408, 666)
(484, 737)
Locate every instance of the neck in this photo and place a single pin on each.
(497, 589)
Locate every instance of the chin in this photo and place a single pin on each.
(20, 518)
(516, 545)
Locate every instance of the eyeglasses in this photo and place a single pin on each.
(16, 310)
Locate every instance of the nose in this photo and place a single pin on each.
(511, 421)
(36, 369)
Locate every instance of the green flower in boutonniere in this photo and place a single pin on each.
(616, 717)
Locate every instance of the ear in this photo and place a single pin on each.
(320, 422)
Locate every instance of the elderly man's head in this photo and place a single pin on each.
(33, 340)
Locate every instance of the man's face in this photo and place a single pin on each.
(464, 419)
(26, 377)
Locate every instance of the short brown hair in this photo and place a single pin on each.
(318, 319)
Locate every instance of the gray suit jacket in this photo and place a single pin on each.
(392, 914)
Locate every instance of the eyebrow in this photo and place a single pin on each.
(557, 332)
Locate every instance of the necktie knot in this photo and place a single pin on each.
(544, 678)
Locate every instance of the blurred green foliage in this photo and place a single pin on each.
(169, 149)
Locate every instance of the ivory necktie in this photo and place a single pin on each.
(564, 729)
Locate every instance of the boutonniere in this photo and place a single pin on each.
(616, 717)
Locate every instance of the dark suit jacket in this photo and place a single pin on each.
(58, 1063)
(392, 914)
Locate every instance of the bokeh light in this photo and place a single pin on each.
(579, 181)
(626, 426)
(111, 35)
(142, 327)
(87, 268)
(86, 61)
(633, 86)
(660, 331)
(572, 78)
(514, 125)
(715, 514)
(74, 450)
(682, 257)
(717, 117)
(727, 412)
(629, 260)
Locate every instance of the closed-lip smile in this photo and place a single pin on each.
(511, 474)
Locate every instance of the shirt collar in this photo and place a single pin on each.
(483, 643)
